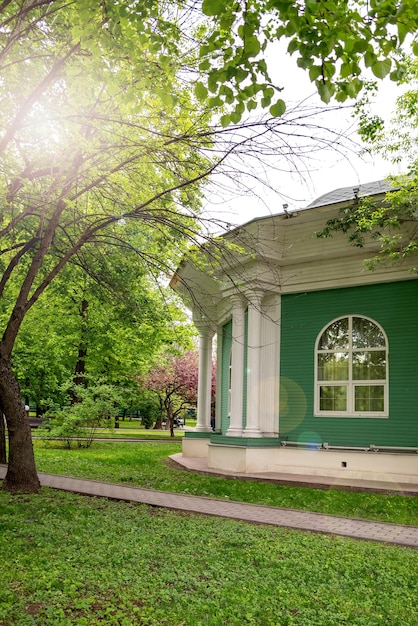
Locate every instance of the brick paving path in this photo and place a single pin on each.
(275, 516)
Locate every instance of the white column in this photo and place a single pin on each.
(270, 366)
(218, 403)
(237, 366)
(206, 333)
(252, 428)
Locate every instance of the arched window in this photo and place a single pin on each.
(351, 369)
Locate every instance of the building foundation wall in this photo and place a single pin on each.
(348, 464)
(196, 447)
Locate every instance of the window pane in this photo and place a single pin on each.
(333, 398)
(333, 366)
(369, 398)
(369, 365)
(335, 336)
(366, 334)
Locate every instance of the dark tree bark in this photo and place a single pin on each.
(3, 452)
(21, 473)
(170, 415)
(159, 423)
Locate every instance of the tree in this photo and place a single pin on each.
(174, 380)
(85, 146)
(392, 223)
(106, 325)
(334, 41)
(95, 407)
(3, 449)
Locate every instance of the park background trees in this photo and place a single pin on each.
(174, 379)
(106, 126)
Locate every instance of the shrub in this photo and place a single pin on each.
(94, 407)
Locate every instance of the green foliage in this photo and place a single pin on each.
(391, 223)
(106, 134)
(90, 561)
(333, 41)
(127, 318)
(149, 408)
(94, 408)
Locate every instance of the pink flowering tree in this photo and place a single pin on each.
(174, 380)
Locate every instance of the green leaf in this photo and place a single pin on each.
(200, 91)
(353, 87)
(241, 75)
(204, 65)
(369, 58)
(293, 46)
(278, 108)
(303, 62)
(341, 96)
(381, 68)
(314, 72)
(213, 7)
(235, 117)
(325, 91)
(265, 101)
(346, 70)
(225, 120)
(251, 46)
(227, 93)
(360, 46)
(215, 102)
(227, 20)
(415, 48)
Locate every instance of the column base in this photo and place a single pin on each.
(202, 429)
(252, 432)
(234, 432)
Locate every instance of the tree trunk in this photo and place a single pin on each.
(170, 417)
(3, 453)
(21, 472)
(159, 423)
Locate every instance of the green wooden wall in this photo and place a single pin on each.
(304, 315)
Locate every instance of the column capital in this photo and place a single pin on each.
(204, 325)
(255, 296)
(238, 300)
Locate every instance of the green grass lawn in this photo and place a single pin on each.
(145, 465)
(76, 560)
(127, 429)
(135, 433)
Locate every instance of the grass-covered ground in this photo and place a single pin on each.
(131, 429)
(74, 560)
(145, 465)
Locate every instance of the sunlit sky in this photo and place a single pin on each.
(331, 171)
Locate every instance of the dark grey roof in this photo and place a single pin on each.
(349, 193)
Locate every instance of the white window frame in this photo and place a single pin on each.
(229, 383)
(351, 383)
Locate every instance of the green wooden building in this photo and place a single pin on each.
(316, 356)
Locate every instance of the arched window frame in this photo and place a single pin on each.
(350, 383)
(230, 383)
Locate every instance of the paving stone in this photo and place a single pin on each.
(290, 518)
